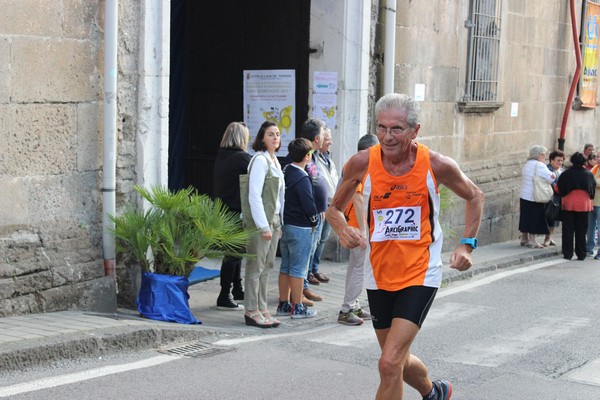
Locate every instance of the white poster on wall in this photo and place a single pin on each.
(270, 95)
(325, 97)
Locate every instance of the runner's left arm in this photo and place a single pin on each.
(448, 173)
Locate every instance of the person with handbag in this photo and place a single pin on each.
(577, 187)
(532, 219)
(557, 158)
(232, 161)
(266, 209)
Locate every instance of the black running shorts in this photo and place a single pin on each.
(411, 303)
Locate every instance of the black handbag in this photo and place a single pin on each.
(552, 209)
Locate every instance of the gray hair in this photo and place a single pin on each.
(311, 128)
(400, 102)
(535, 151)
(367, 141)
(236, 136)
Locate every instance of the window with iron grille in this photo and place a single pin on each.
(483, 53)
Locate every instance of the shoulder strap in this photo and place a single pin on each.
(268, 164)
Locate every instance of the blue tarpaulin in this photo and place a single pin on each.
(165, 298)
(201, 274)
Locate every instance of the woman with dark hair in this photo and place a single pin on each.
(557, 158)
(264, 245)
(577, 187)
(591, 162)
(232, 161)
(532, 219)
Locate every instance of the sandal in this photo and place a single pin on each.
(534, 245)
(256, 319)
(523, 240)
(269, 318)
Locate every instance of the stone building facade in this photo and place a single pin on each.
(51, 113)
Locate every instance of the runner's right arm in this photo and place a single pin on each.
(354, 172)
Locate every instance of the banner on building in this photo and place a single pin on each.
(270, 95)
(589, 77)
(325, 97)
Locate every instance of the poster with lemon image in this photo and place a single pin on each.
(325, 85)
(270, 95)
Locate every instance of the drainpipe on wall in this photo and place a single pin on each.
(109, 167)
(574, 83)
(389, 61)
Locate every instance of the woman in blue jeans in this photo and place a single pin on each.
(300, 220)
(594, 217)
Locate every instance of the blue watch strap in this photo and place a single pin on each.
(470, 241)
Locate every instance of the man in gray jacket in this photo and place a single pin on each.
(323, 160)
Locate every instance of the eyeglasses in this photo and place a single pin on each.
(382, 130)
(310, 152)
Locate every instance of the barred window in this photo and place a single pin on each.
(483, 51)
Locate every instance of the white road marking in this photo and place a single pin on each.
(55, 381)
(352, 336)
(492, 278)
(233, 342)
(496, 350)
(587, 373)
(438, 315)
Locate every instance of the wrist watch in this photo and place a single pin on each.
(470, 241)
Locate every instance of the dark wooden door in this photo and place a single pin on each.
(222, 39)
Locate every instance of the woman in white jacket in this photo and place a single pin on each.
(532, 220)
(263, 245)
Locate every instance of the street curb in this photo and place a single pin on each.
(93, 344)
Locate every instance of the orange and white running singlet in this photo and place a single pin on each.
(405, 238)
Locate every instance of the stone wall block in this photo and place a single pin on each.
(13, 203)
(69, 274)
(4, 71)
(89, 143)
(60, 70)
(97, 295)
(39, 139)
(32, 283)
(24, 266)
(7, 288)
(19, 305)
(31, 17)
(81, 18)
(67, 202)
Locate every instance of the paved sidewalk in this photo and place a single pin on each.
(38, 338)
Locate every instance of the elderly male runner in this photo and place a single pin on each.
(400, 186)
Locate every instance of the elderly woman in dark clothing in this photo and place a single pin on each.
(532, 220)
(232, 160)
(577, 187)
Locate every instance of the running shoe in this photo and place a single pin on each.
(362, 314)
(443, 389)
(301, 311)
(284, 308)
(349, 318)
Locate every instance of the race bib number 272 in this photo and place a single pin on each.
(400, 223)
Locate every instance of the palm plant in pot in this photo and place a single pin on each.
(167, 240)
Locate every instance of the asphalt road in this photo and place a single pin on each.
(526, 333)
